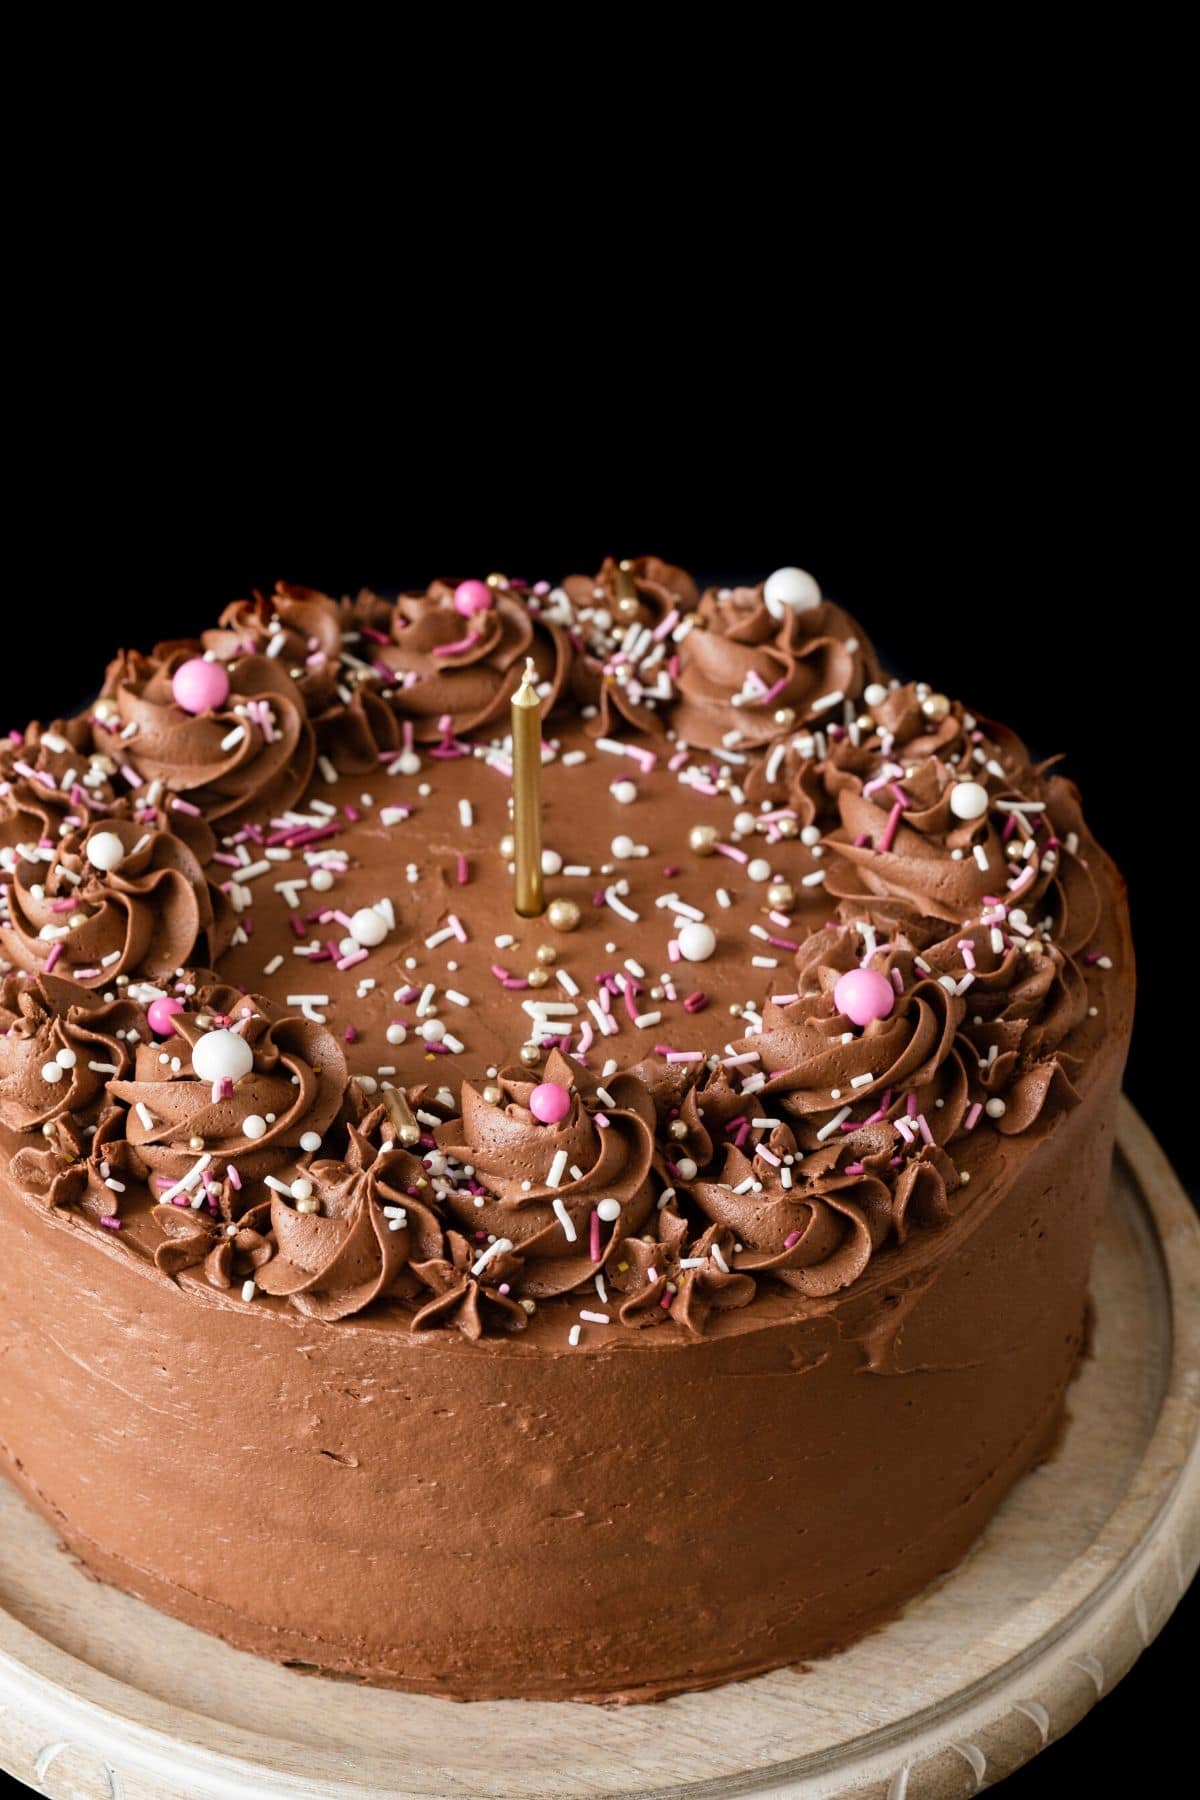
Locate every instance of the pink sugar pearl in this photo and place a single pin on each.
(160, 1014)
(550, 1102)
(472, 597)
(864, 995)
(199, 685)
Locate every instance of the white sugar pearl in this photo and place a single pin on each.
(759, 869)
(432, 1030)
(321, 880)
(66, 1059)
(105, 850)
(875, 693)
(790, 590)
(697, 941)
(995, 1109)
(367, 927)
(968, 800)
(609, 1210)
(687, 1169)
(744, 822)
(810, 836)
(409, 763)
(311, 1141)
(396, 1034)
(552, 862)
(253, 1126)
(623, 846)
(221, 1055)
(302, 1188)
(625, 792)
(51, 1072)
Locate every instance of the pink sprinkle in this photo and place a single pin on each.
(351, 813)
(56, 951)
(904, 1129)
(349, 962)
(897, 980)
(782, 943)
(731, 852)
(666, 626)
(968, 952)
(861, 842)
(459, 647)
(457, 927)
(972, 1118)
(673, 951)
(500, 972)
(183, 806)
(923, 1127)
(792, 1238)
(665, 1302)
(594, 1236)
(889, 830)
(462, 872)
(110, 1222)
(235, 1179)
(910, 1105)
(678, 760)
(855, 1169)
(351, 1035)
(684, 1056)
(696, 1002)
(768, 1156)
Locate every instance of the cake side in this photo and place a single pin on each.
(432, 1312)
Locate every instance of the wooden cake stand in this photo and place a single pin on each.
(101, 1698)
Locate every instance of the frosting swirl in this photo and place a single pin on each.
(143, 908)
(465, 1300)
(297, 626)
(520, 1169)
(253, 755)
(337, 1260)
(255, 1122)
(664, 1277)
(48, 1025)
(226, 1252)
(50, 779)
(88, 1168)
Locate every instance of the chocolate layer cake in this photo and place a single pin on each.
(588, 1306)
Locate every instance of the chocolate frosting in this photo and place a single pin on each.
(50, 778)
(294, 1088)
(49, 1023)
(149, 915)
(138, 723)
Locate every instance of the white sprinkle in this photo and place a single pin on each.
(723, 897)
(825, 701)
(829, 1129)
(466, 815)
(857, 1081)
(425, 1004)
(980, 855)
(765, 962)
(505, 941)
(619, 906)
(453, 995)
(643, 1021)
(573, 1335)
(558, 1009)
(439, 937)
(593, 1318)
(233, 738)
(248, 1290)
(103, 1068)
(562, 1215)
(145, 1115)
(328, 772)
(813, 880)
(496, 1248)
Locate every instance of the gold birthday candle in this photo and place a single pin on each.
(528, 898)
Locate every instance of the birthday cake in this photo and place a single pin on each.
(596, 1304)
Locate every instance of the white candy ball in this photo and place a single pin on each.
(624, 792)
(367, 927)
(697, 941)
(302, 1188)
(321, 880)
(759, 869)
(105, 850)
(687, 1169)
(790, 590)
(875, 694)
(432, 1030)
(551, 862)
(66, 1059)
(995, 1109)
(396, 1034)
(623, 846)
(253, 1126)
(968, 800)
(810, 836)
(311, 1141)
(221, 1055)
(609, 1210)
(52, 1072)
(408, 764)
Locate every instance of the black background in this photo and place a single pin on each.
(1024, 583)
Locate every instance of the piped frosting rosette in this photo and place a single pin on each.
(470, 1292)
(224, 1253)
(621, 620)
(661, 1276)
(443, 663)
(89, 1168)
(546, 1188)
(194, 1123)
(298, 627)
(115, 898)
(338, 1256)
(747, 677)
(59, 1046)
(53, 776)
(252, 755)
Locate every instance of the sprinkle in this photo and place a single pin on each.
(813, 880)
(829, 1129)
(466, 814)
(619, 907)
(972, 1118)
(980, 855)
(723, 898)
(573, 1335)
(328, 772)
(684, 1056)
(825, 701)
(560, 1211)
(857, 1081)
(643, 1021)
(498, 1247)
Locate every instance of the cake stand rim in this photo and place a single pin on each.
(945, 1751)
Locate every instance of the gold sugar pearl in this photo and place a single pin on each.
(788, 828)
(627, 607)
(781, 895)
(935, 706)
(496, 580)
(195, 1143)
(702, 839)
(491, 1094)
(508, 846)
(309, 1205)
(563, 915)
(546, 953)
(531, 1055)
(678, 1128)
(538, 977)
(785, 717)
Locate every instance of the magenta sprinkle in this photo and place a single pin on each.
(500, 972)
(670, 870)
(462, 871)
(860, 843)
(56, 951)
(594, 1236)
(972, 1118)
(184, 806)
(352, 814)
(459, 647)
(855, 1168)
(910, 1105)
(782, 943)
(696, 1002)
(235, 1179)
(110, 1222)
(351, 1036)
(792, 1238)
(889, 830)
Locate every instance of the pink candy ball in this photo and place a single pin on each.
(160, 1013)
(199, 685)
(550, 1102)
(472, 597)
(864, 995)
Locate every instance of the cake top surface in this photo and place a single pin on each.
(823, 953)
